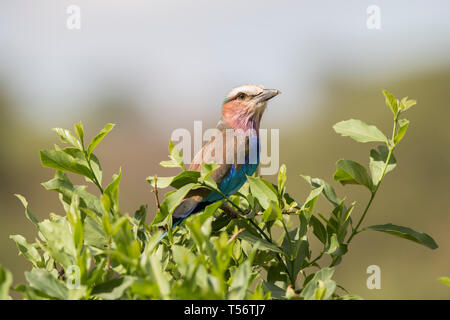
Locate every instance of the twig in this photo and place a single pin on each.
(234, 236)
(155, 191)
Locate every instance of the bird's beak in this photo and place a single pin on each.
(267, 94)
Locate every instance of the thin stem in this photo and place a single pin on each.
(155, 191)
(355, 230)
(316, 259)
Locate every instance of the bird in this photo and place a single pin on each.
(242, 110)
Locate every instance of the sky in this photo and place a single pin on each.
(176, 58)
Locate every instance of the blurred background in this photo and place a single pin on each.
(154, 66)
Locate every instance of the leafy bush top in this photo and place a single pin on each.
(228, 251)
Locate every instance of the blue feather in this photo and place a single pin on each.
(233, 181)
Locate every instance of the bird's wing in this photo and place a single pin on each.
(205, 155)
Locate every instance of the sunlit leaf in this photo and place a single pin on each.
(110, 196)
(171, 201)
(263, 191)
(282, 177)
(402, 127)
(445, 280)
(391, 101)
(28, 212)
(60, 160)
(263, 244)
(67, 137)
(405, 104)
(6, 280)
(314, 288)
(27, 249)
(378, 160)
(99, 137)
(327, 191)
(406, 233)
(351, 172)
(46, 282)
(359, 131)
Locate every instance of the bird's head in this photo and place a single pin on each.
(244, 105)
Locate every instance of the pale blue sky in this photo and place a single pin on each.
(176, 57)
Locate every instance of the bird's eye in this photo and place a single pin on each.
(241, 96)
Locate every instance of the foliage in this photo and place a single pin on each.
(255, 244)
(445, 280)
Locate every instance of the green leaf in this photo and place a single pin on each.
(240, 281)
(6, 280)
(272, 213)
(96, 168)
(445, 280)
(263, 191)
(79, 131)
(314, 288)
(28, 212)
(334, 244)
(378, 160)
(67, 137)
(350, 297)
(94, 234)
(184, 178)
(113, 289)
(263, 244)
(176, 158)
(27, 249)
(209, 211)
(99, 137)
(403, 126)
(320, 291)
(79, 156)
(60, 241)
(301, 253)
(311, 200)
(110, 196)
(47, 283)
(60, 160)
(405, 104)
(207, 169)
(391, 101)
(185, 260)
(406, 233)
(276, 291)
(177, 182)
(318, 229)
(171, 201)
(61, 184)
(106, 224)
(327, 191)
(351, 172)
(281, 179)
(159, 276)
(360, 131)
(161, 182)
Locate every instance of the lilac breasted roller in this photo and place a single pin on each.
(242, 110)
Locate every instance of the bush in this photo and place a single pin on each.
(228, 251)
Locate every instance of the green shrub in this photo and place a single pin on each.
(95, 251)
